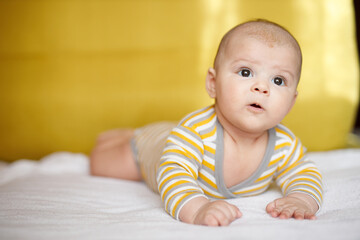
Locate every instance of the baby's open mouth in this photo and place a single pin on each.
(255, 105)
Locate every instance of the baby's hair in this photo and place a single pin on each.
(264, 30)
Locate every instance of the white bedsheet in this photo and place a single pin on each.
(55, 198)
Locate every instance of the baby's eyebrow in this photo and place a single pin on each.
(288, 72)
(251, 61)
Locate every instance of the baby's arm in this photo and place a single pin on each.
(177, 177)
(296, 205)
(201, 211)
(301, 183)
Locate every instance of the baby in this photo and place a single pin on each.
(234, 148)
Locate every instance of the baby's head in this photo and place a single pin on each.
(263, 30)
(255, 76)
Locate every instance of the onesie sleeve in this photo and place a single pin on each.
(296, 173)
(178, 169)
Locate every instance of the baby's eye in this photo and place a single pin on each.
(245, 73)
(278, 81)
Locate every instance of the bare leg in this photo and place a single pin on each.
(112, 156)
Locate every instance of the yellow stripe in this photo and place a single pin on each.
(253, 189)
(208, 165)
(209, 149)
(175, 184)
(175, 150)
(292, 153)
(185, 152)
(189, 141)
(312, 194)
(197, 114)
(174, 176)
(309, 171)
(207, 180)
(185, 190)
(206, 121)
(173, 162)
(301, 179)
(283, 132)
(168, 168)
(292, 166)
(308, 185)
(264, 177)
(179, 201)
(285, 144)
(213, 195)
(209, 134)
(276, 160)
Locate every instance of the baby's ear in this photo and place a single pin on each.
(211, 82)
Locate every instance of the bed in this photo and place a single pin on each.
(56, 198)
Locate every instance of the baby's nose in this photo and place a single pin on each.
(261, 88)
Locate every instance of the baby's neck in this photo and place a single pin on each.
(244, 138)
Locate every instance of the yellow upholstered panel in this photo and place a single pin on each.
(70, 69)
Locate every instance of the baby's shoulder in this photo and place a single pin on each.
(198, 118)
(285, 140)
(284, 134)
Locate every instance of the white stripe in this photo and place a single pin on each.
(281, 165)
(281, 141)
(209, 160)
(182, 145)
(171, 172)
(166, 201)
(262, 184)
(307, 190)
(178, 162)
(276, 156)
(207, 125)
(195, 119)
(270, 170)
(283, 137)
(210, 145)
(208, 175)
(189, 199)
(303, 182)
(207, 189)
(293, 172)
(187, 135)
(307, 176)
(168, 184)
(211, 138)
(254, 192)
(285, 129)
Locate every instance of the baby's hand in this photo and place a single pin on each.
(217, 213)
(296, 205)
(203, 212)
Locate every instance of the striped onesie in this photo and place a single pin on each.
(192, 164)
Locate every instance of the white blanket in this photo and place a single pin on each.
(55, 198)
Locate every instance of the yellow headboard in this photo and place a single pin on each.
(71, 69)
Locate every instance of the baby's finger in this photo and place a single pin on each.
(228, 214)
(299, 214)
(273, 210)
(309, 216)
(211, 220)
(286, 213)
(223, 219)
(234, 210)
(218, 217)
(270, 207)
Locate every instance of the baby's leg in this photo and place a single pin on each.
(112, 156)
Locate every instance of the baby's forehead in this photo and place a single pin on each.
(270, 33)
(267, 33)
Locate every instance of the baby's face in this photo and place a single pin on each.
(255, 83)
